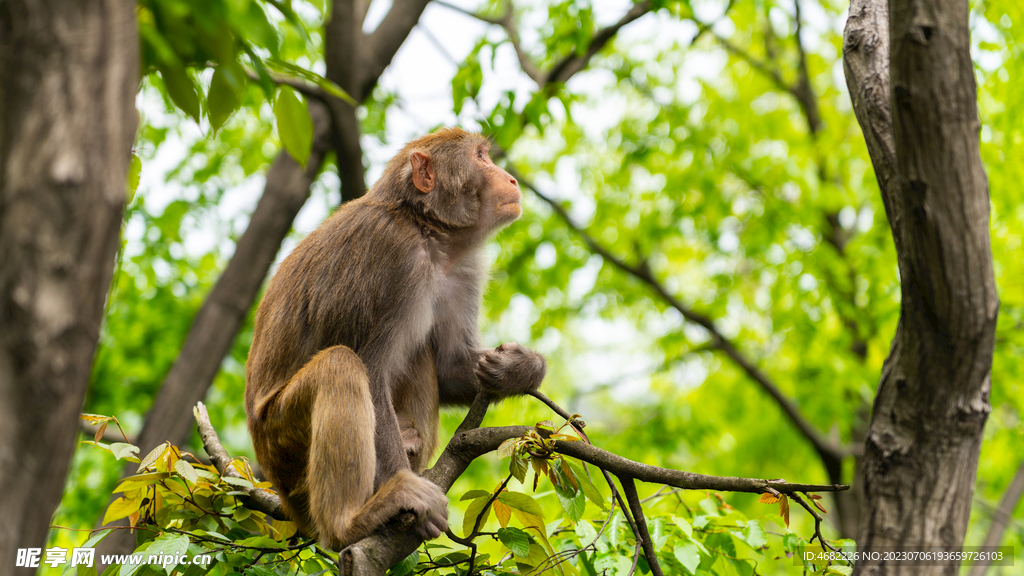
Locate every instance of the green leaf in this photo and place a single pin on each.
(181, 88)
(406, 566)
(742, 567)
(476, 507)
(591, 491)
(474, 494)
(259, 28)
(224, 96)
(515, 540)
(134, 173)
(573, 502)
(520, 501)
(168, 545)
(684, 525)
(754, 535)
(294, 125)
(128, 569)
(688, 556)
(518, 467)
(324, 84)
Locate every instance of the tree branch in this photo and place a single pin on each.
(259, 499)
(644, 537)
(866, 67)
(570, 65)
(565, 68)
(379, 48)
(1001, 518)
(823, 445)
(394, 541)
(916, 101)
(802, 91)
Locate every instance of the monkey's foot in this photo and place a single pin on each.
(427, 501)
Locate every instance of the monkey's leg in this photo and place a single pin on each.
(343, 508)
(416, 404)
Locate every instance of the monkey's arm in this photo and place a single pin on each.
(464, 366)
(457, 353)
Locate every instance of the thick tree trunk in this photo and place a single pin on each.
(922, 448)
(67, 122)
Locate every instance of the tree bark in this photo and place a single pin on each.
(921, 452)
(67, 123)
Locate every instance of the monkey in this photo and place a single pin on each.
(368, 328)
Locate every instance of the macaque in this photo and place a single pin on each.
(367, 328)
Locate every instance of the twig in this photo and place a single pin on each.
(568, 66)
(301, 86)
(607, 476)
(629, 487)
(1001, 517)
(663, 491)
(803, 92)
(576, 423)
(259, 499)
(817, 522)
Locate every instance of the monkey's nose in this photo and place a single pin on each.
(512, 179)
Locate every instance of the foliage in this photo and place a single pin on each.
(184, 509)
(675, 149)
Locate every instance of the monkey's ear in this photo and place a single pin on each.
(422, 171)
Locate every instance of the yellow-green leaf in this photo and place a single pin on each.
(139, 481)
(507, 448)
(122, 507)
(474, 494)
(186, 471)
(520, 501)
(503, 513)
(134, 174)
(476, 508)
(153, 455)
(294, 125)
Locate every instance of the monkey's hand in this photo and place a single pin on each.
(510, 369)
(428, 502)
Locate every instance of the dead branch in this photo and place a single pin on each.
(259, 499)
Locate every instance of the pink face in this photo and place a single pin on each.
(500, 201)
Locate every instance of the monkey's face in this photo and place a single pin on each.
(500, 198)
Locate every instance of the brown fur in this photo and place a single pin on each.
(367, 328)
